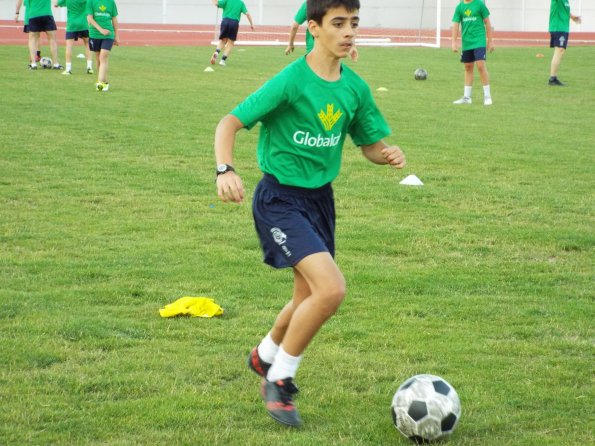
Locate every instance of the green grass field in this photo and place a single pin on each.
(108, 212)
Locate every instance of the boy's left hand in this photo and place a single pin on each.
(394, 156)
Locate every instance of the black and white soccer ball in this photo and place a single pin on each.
(426, 408)
(420, 74)
(45, 62)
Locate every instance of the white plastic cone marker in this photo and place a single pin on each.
(80, 56)
(207, 69)
(382, 89)
(411, 180)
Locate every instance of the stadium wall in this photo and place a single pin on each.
(507, 15)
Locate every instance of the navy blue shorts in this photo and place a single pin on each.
(469, 56)
(77, 34)
(229, 29)
(292, 222)
(26, 28)
(96, 45)
(42, 23)
(558, 39)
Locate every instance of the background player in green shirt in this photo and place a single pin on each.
(39, 13)
(76, 27)
(300, 17)
(472, 17)
(30, 38)
(560, 16)
(102, 16)
(230, 23)
(306, 111)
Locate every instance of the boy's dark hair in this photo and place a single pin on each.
(316, 9)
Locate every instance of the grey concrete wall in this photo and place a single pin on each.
(506, 15)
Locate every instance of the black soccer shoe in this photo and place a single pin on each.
(555, 82)
(257, 365)
(278, 400)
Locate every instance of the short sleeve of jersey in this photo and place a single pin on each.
(456, 17)
(261, 103)
(368, 126)
(244, 9)
(302, 14)
(221, 3)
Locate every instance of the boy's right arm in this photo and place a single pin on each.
(292, 33)
(229, 184)
(454, 34)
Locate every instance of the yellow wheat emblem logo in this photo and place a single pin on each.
(330, 118)
(468, 12)
(102, 8)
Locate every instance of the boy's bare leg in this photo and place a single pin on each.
(53, 46)
(103, 65)
(301, 290)
(556, 60)
(33, 45)
(469, 74)
(483, 72)
(327, 286)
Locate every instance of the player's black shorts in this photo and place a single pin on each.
(473, 55)
(229, 29)
(42, 23)
(26, 28)
(96, 45)
(292, 222)
(77, 34)
(558, 39)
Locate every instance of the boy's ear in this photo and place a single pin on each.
(313, 27)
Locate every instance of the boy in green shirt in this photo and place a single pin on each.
(306, 112)
(76, 27)
(39, 13)
(472, 17)
(232, 12)
(102, 16)
(560, 17)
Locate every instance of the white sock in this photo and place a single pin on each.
(486, 91)
(467, 91)
(68, 66)
(89, 64)
(284, 366)
(267, 349)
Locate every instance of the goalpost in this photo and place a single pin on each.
(382, 23)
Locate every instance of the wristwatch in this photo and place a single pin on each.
(224, 168)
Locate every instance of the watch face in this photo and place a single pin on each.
(221, 168)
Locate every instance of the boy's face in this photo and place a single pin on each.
(337, 33)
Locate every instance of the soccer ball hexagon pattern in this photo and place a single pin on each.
(46, 62)
(426, 408)
(420, 74)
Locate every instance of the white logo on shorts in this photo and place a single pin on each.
(279, 236)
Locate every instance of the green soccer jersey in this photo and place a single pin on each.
(232, 9)
(39, 8)
(26, 18)
(300, 17)
(102, 11)
(560, 16)
(76, 18)
(471, 16)
(305, 121)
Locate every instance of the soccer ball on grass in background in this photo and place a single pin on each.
(426, 408)
(420, 74)
(45, 62)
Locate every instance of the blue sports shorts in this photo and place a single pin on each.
(558, 39)
(97, 45)
(42, 23)
(77, 34)
(229, 29)
(469, 56)
(293, 222)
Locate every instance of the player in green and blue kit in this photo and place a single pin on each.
(230, 23)
(102, 16)
(473, 18)
(76, 27)
(300, 17)
(560, 17)
(35, 44)
(39, 13)
(306, 112)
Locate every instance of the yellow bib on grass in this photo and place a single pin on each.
(192, 306)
